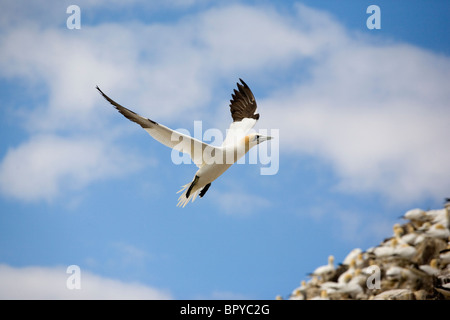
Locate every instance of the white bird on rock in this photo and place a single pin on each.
(444, 256)
(325, 270)
(430, 269)
(349, 272)
(212, 161)
(438, 230)
(399, 273)
(404, 251)
(353, 255)
(439, 216)
(387, 250)
(323, 296)
(415, 214)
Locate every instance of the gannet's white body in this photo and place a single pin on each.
(212, 161)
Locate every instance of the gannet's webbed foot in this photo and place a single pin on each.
(188, 193)
(205, 188)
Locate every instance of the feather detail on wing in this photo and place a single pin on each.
(183, 200)
(171, 138)
(243, 103)
(242, 107)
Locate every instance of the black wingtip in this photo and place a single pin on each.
(243, 82)
(205, 188)
(115, 104)
(243, 103)
(96, 87)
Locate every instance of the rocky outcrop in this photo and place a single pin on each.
(413, 264)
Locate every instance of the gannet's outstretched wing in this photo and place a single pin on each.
(243, 108)
(171, 138)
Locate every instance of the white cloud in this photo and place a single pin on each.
(160, 71)
(46, 165)
(40, 283)
(164, 70)
(378, 115)
(376, 112)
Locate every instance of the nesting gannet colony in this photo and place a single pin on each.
(413, 264)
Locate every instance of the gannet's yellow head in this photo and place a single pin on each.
(253, 139)
(440, 226)
(433, 263)
(348, 277)
(394, 242)
(331, 259)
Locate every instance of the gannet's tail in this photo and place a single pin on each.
(183, 200)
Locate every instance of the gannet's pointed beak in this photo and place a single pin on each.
(264, 138)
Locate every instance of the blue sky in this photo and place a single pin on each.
(362, 117)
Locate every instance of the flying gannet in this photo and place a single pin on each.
(212, 161)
